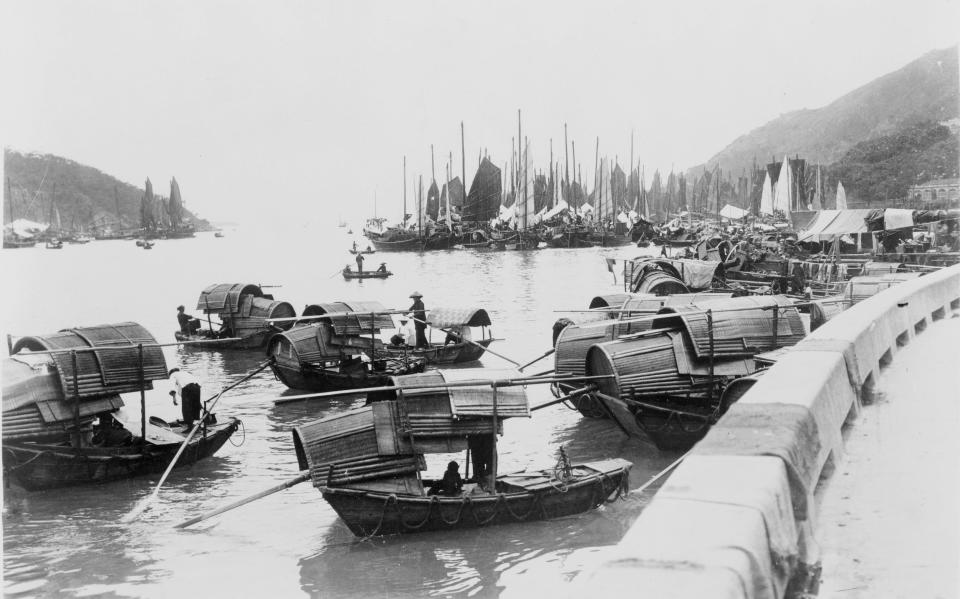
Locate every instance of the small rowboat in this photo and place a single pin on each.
(367, 274)
(38, 466)
(368, 251)
(520, 497)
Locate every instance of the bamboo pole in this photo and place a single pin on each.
(302, 477)
(514, 382)
(128, 346)
(534, 361)
(143, 398)
(209, 405)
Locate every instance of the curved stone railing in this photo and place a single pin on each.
(736, 517)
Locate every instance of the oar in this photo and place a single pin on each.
(471, 341)
(452, 384)
(339, 271)
(145, 503)
(661, 473)
(302, 477)
(532, 362)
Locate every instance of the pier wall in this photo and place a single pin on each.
(735, 519)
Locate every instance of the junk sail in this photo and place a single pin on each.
(766, 196)
(483, 201)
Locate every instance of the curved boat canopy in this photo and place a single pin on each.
(225, 297)
(458, 317)
(365, 317)
(108, 363)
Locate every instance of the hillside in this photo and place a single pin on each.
(927, 89)
(884, 167)
(82, 194)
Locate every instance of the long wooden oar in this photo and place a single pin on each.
(426, 387)
(532, 362)
(471, 341)
(660, 474)
(302, 477)
(145, 503)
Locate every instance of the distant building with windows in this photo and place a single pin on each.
(938, 190)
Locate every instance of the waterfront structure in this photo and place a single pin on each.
(938, 190)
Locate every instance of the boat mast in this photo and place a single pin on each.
(598, 184)
(420, 209)
(573, 148)
(521, 155)
(463, 163)
(403, 220)
(566, 160)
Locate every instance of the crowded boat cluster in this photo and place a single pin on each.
(719, 296)
(692, 329)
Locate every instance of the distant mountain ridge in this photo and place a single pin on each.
(925, 90)
(82, 194)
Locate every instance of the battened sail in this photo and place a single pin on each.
(483, 201)
(433, 201)
(175, 204)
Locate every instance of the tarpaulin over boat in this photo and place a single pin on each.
(483, 201)
(225, 297)
(111, 368)
(28, 379)
(695, 274)
(832, 223)
(456, 317)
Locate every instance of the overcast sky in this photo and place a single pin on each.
(270, 110)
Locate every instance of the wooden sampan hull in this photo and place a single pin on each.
(368, 513)
(36, 466)
(455, 353)
(320, 380)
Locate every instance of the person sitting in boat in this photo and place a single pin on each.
(404, 334)
(188, 388)
(458, 335)
(369, 249)
(109, 432)
(185, 320)
(383, 267)
(451, 484)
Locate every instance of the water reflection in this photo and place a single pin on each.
(73, 541)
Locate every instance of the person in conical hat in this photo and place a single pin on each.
(419, 318)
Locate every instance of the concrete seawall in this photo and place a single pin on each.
(736, 518)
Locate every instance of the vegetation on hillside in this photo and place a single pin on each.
(84, 196)
(884, 167)
(926, 90)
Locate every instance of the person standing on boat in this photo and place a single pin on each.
(188, 388)
(354, 246)
(419, 318)
(360, 263)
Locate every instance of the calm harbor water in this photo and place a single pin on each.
(72, 542)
